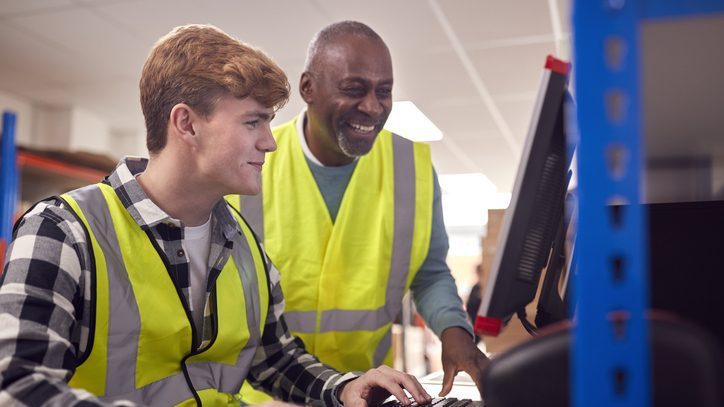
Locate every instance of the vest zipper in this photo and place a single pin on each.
(184, 369)
(184, 304)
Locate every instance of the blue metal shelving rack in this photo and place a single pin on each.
(610, 355)
(8, 180)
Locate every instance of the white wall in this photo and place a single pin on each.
(51, 128)
(88, 132)
(24, 115)
(66, 128)
(127, 142)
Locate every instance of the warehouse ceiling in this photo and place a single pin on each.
(472, 66)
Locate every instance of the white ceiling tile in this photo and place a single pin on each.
(447, 162)
(34, 55)
(419, 77)
(460, 119)
(518, 114)
(15, 7)
(497, 162)
(16, 81)
(90, 39)
(490, 157)
(101, 2)
(484, 20)
(512, 69)
(150, 20)
(407, 25)
(282, 30)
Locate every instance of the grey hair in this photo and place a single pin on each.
(329, 34)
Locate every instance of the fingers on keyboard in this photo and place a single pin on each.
(437, 402)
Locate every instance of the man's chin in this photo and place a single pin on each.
(357, 151)
(358, 147)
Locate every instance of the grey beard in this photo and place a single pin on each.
(352, 150)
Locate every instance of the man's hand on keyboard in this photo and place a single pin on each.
(459, 353)
(372, 388)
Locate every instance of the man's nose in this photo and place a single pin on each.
(371, 105)
(267, 142)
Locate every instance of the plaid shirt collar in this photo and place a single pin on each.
(145, 212)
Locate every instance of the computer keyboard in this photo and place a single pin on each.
(440, 402)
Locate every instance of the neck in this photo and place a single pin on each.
(324, 146)
(170, 185)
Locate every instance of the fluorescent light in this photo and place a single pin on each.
(466, 199)
(499, 200)
(409, 122)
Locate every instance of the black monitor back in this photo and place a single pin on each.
(686, 262)
(536, 208)
(686, 259)
(687, 368)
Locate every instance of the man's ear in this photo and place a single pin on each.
(306, 87)
(181, 124)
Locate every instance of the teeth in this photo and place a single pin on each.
(361, 128)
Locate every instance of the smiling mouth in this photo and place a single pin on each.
(360, 128)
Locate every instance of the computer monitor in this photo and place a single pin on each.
(554, 299)
(686, 261)
(536, 209)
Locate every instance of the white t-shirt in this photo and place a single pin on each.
(197, 244)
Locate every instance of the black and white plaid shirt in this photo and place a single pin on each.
(45, 299)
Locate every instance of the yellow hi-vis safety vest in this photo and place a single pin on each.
(344, 280)
(142, 344)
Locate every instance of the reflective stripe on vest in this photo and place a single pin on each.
(397, 177)
(141, 341)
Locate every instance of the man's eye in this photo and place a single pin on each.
(354, 91)
(384, 93)
(252, 124)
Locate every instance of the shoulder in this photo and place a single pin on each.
(50, 218)
(48, 243)
(420, 148)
